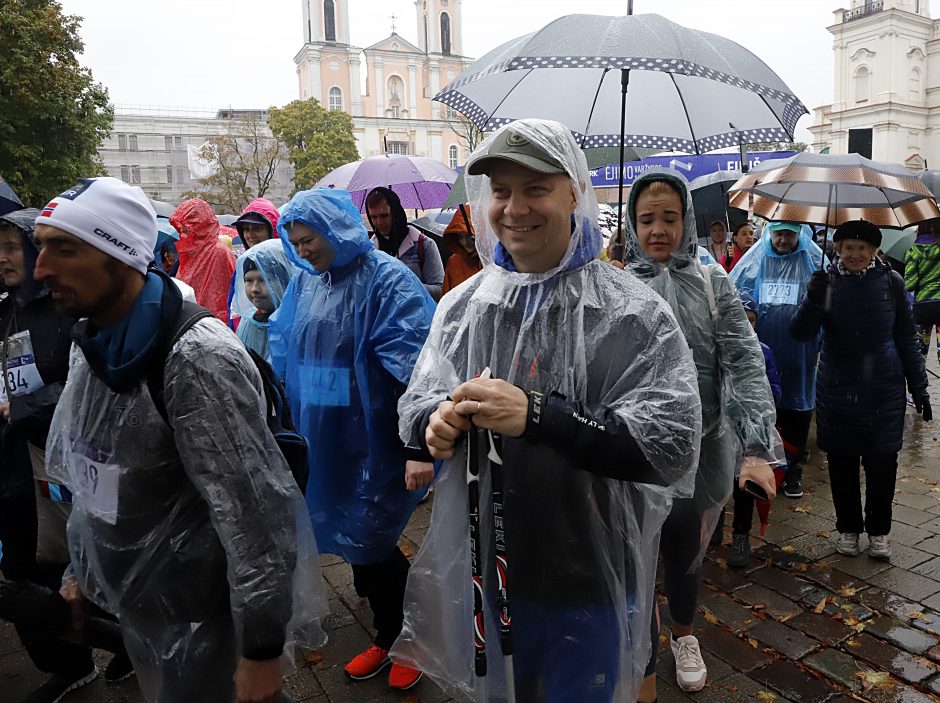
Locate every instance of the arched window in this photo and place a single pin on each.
(445, 33)
(453, 153)
(336, 99)
(862, 84)
(329, 20)
(396, 96)
(915, 84)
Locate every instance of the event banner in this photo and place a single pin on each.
(689, 166)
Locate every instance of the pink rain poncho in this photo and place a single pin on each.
(205, 263)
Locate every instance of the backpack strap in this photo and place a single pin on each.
(190, 313)
(422, 242)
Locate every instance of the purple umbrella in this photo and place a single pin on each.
(419, 182)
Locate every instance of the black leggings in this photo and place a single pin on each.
(881, 471)
(679, 545)
(383, 585)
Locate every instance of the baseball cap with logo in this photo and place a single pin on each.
(509, 146)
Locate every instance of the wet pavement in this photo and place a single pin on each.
(800, 623)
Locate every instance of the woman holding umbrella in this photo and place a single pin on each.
(869, 350)
(738, 412)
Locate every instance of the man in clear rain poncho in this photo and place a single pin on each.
(776, 271)
(737, 406)
(186, 525)
(595, 397)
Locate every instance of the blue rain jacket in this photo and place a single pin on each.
(778, 284)
(276, 270)
(345, 343)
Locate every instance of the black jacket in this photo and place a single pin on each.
(868, 351)
(30, 414)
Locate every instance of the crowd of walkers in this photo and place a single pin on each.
(184, 431)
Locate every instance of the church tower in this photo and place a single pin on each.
(440, 27)
(887, 73)
(327, 65)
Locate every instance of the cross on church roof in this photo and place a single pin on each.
(393, 18)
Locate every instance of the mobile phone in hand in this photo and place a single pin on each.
(751, 488)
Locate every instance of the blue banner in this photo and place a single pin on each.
(689, 166)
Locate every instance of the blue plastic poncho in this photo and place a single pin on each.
(276, 270)
(778, 284)
(345, 342)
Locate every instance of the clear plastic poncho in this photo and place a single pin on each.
(345, 343)
(196, 537)
(276, 270)
(778, 284)
(738, 413)
(582, 548)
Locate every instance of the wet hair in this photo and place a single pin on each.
(659, 187)
(377, 197)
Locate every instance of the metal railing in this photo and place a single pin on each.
(869, 8)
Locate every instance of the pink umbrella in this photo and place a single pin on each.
(419, 182)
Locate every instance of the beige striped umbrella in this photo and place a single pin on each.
(822, 189)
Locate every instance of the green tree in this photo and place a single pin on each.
(53, 115)
(317, 140)
(246, 158)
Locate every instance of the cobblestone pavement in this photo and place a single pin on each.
(801, 623)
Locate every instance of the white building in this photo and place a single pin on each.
(887, 84)
(148, 147)
(395, 113)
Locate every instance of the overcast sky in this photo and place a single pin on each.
(239, 53)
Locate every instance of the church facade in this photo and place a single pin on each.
(395, 113)
(886, 98)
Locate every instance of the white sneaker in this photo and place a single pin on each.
(878, 547)
(690, 667)
(848, 544)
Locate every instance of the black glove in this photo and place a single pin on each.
(817, 287)
(922, 405)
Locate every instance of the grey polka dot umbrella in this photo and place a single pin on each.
(686, 88)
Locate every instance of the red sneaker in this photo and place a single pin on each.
(367, 664)
(403, 677)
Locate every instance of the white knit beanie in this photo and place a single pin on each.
(110, 215)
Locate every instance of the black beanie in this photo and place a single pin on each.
(858, 229)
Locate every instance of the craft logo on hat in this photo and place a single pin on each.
(513, 139)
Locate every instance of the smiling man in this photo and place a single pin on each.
(594, 397)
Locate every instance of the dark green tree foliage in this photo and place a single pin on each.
(317, 140)
(53, 115)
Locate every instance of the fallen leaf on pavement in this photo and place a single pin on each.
(788, 549)
(710, 617)
(799, 509)
(753, 642)
(721, 563)
(766, 696)
(758, 606)
(800, 567)
(824, 534)
(821, 606)
(847, 592)
(314, 659)
(873, 679)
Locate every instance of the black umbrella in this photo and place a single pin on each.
(9, 201)
(710, 200)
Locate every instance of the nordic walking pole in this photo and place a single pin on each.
(476, 568)
(502, 565)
